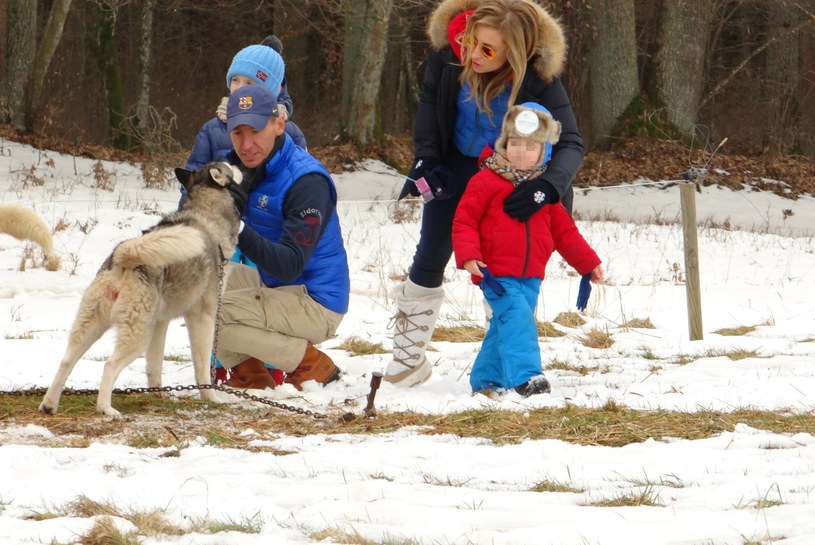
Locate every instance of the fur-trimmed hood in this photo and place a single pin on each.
(551, 44)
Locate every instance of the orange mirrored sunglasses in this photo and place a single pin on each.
(486, 51)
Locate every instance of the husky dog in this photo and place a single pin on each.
(23, 224)
(171, 270)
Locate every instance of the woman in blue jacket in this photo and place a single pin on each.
(487, 56)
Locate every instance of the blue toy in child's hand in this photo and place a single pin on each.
(583, 292)
(492, 282)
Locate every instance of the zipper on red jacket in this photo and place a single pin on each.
(528, 245)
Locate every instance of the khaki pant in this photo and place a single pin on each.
(271, 324)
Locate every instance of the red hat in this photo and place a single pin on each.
(455, 31)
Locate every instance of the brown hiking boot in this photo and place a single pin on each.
(315, 366)
(251, 374)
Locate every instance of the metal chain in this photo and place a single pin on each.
(213, 357)
(167, 389)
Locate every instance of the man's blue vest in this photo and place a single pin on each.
(326, 274)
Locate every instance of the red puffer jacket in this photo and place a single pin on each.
(483, 231)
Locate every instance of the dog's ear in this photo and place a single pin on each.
(183, 175)
(216, 172)
(224, 174)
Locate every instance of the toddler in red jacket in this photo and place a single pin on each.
(507, 257)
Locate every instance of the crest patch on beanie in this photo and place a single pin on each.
(260, 63)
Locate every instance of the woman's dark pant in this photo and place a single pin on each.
(435, 239)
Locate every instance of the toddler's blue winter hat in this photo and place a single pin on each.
(251, 105)
(261, 63)
(529, 120)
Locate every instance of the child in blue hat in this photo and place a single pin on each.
(507, 257)
(259, 64)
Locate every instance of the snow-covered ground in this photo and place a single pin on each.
(404, 488)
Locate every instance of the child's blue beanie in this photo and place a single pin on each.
(261, 63)
(542, 127)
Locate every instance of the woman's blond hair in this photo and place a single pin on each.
(519, 22)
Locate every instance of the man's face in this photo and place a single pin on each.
(252, 145)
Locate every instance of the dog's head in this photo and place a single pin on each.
(216, 175)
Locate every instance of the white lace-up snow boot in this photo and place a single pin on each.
(413, 325)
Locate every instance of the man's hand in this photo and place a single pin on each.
(239, 196)
(528, 197)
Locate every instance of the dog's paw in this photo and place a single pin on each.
(47, 408)
(110, 411)
(209, 395)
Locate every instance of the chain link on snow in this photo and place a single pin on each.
(166, 389)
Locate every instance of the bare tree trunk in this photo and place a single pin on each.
(680, 70)
(21, 46)
(399, 89)
(611, 75)
(102, 44)
(366, 27)
(45, 52)
(782, 76)
(806, 94)
(143, 105)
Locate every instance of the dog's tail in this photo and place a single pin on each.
(161, 247)
(24, 224)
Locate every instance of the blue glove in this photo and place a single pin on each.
(583, 292)
(492, 282)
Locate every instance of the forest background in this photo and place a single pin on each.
(673, 76)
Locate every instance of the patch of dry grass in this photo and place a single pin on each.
(734, 354)
(645, 495)
(459, 334)
(170, 422)
(735, 331)
(546, 329)
(639, 323)
(337, 535)
(569, 319)
(360, 347)
(105, 532)
(551, 485)
(581, 370)
(596, 338)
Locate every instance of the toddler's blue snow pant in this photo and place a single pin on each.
(510, 354)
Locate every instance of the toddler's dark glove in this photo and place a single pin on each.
(583, 292)
(421, 166)
(492, 282)
(528, 197)
(239, 196)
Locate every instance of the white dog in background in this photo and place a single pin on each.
(24, 224)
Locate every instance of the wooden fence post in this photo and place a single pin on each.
(692, 288)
